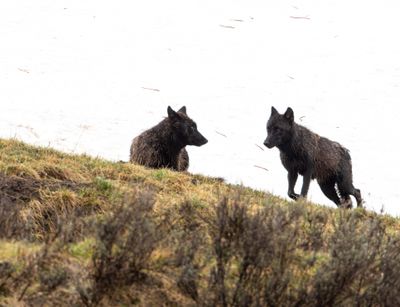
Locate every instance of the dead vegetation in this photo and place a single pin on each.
(110, 234)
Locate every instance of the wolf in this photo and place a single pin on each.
(314, 157)
(164, 144)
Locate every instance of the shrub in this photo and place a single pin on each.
(124, 242)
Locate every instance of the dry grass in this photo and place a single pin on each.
(82, 231)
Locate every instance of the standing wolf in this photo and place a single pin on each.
(314, 157)
(164, 144)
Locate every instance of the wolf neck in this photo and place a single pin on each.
(169, 139)
(292, 143)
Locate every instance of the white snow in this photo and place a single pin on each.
(86, 76)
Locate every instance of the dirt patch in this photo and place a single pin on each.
(16, 194)
(14, 189)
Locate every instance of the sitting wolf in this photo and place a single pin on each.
(164, 144)
(314, 157)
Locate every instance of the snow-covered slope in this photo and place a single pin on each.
(87, 76)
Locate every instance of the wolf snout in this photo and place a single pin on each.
(203, 141)
(198, 140)
(268, 144)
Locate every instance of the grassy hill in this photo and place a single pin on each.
(82, 231)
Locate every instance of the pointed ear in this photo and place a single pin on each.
(289, 115)
(171, 113)
(182, 110)
(273, 111)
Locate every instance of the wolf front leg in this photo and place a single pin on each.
(306, 181)
(292, 178)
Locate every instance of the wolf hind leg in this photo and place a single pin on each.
(357, 195)
(346, 189)
(346, 202)
(328, 188)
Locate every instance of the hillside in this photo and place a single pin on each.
(82, 231)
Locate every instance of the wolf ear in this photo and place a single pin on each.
(182, 110)
(273, 111)
(171, 113)
(289, 115)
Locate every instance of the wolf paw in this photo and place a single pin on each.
(293, 195)
(346, 203)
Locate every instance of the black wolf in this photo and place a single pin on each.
(164, 144)
(314, 157)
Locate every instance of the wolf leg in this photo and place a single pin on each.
(346, 202)
(346, 189)
(292, 178)
(306, 182)
(328, 188)
(357, 195)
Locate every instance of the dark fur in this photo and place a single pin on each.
(314, 157)
(164, 144)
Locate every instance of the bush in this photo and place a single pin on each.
(124, 242)
(254, 254)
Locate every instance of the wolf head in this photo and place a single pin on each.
(185, 129)
(279, 128)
